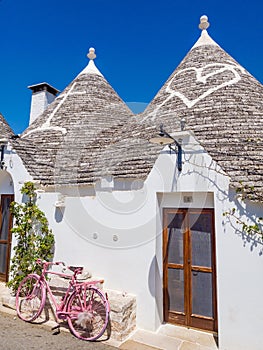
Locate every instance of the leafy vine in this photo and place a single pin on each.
(256, 228)
(34, 238)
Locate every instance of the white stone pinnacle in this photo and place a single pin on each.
(204, 39)
(91, 68)
(204, 24)
(91, 55)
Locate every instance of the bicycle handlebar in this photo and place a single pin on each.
(75, 270)
(43, 262)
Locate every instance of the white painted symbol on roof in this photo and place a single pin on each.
(218, 69)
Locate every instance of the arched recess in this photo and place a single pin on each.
(6, 197)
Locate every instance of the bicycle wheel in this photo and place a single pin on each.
(88, 313)
(30, 298)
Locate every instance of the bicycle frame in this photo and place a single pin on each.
(60, 308)
(83, 304)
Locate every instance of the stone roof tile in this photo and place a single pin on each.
(5, 129)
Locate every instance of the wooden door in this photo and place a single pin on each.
(189, 268)
(5, 235)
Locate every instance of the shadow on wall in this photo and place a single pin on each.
(59, 214)
(246, 212)
(209, 172)
(154, 280)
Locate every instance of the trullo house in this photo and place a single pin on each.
(141, 200)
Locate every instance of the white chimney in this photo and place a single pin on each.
(42, 95)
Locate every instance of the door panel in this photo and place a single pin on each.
(3, 254)
(189, 268)
(202, 294)
(201, 230)
(5, 235)
(176, 289)
(175, 239)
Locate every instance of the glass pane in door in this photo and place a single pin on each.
(175, 239)
(4, 231)
(3, 252)
(201, 229)
(176, 289)
(202, 293)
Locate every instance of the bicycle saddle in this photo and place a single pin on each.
(73, 268)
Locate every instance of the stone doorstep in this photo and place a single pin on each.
(156, 340)
(202, 338)
(122, 314)
(170, 337)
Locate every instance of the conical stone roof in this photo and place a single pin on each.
(70, 131)
(88, 131)
(5, 130)
(222, 104)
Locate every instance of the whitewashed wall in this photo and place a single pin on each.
(240, 286)
(6, 183)
(117, 234)
(12, 177)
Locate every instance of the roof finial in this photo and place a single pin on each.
(91, 55)
(204, 24)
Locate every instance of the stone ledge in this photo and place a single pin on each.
(123, 314)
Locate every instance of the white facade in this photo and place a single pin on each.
(13, 175)
(239, 267)
(115, 230)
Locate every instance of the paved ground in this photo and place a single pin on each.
(19, 335)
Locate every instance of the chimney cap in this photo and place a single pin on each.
(43, 87)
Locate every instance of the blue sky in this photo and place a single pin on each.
(138, 43)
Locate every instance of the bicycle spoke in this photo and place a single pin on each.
(88, 313)
(30, 298)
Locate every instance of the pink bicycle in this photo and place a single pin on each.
(84, 306)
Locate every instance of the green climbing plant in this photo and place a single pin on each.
(244, 192)
(34, 238)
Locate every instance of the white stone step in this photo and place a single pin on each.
(170, 337)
